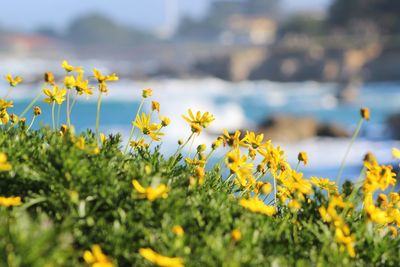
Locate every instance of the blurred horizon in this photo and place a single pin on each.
(59, 16)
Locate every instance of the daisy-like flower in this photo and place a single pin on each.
(200, 120)
(68, 68)
(13, 81)
(102, 79)
(55, 95)
(96, 257)
(161, 191)
(4, 116)
(148, 128)
(233, 140)
(255, 141)
(325, 184)
(82, 86)
(160, 260)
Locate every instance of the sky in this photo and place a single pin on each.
(26, 15)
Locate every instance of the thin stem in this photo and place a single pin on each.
(8, 92)
(133, 126)
(98, 117)
(68, 118)
(73, 102)
(30, 125)
(348, 150)
(190, 148)
(30, 105)
(52, 115)
(58, 116)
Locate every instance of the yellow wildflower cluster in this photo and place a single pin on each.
(160, 260)
(342, 230)
(96, 257)
(257, 206)
(10, 201)
(380, 177)
(161, 191)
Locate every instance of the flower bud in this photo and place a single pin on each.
(147, 92)
(37, 111)
(303, 157)
(365, 113)
(49, 77)
(155, 106)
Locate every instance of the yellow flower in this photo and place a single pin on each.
(236, 234)
(161, 191)
(257, 206)
(10, 201)
(4, 104)
(37, 111)
(165, 121)
(303, 157)
(13, 81)
(96, 257)
(147, 128)
(102, 79)
(155, 106)
(233, 140)
(49, 78)
(82, 86)
(14, 118)
(139, 144)
(262, 187)
(255, 141)
(4, 117)
(202, 120)
(365, 113)
(396, 153)
(160, 260)
(147, 92)
(393, 231)
(68, 68)
(178, 230)
(69, 81)
(55, 95)
(325, 184)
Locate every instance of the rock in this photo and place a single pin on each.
(331, 130)
(287, 128)
(393, 123)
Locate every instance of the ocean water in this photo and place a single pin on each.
(244, 105)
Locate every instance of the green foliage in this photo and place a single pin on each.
(74, 198)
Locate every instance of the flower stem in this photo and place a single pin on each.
(98, 117)
(133, 126)
(52, 115)
(8, 92)
(73, 103)
(30, 105)
(68, 118)
(348, 150)
(58, 116)
(30, 125)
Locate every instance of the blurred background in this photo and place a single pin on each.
(297, 71)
